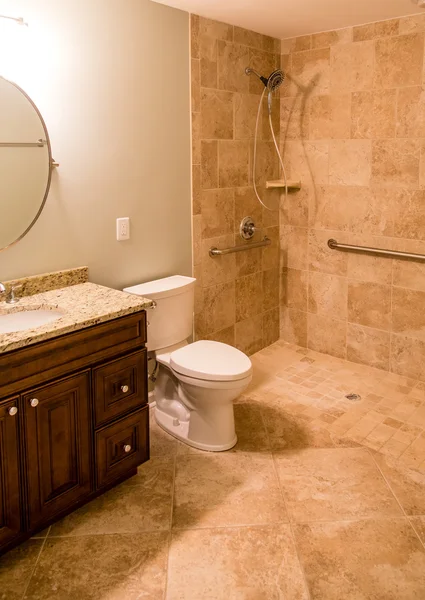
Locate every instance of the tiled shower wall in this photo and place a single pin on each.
(353, 130)
(237, 297)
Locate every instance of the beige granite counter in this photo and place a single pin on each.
(83, 305)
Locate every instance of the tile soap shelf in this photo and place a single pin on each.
(293, 186)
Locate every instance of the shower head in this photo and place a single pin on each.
(273, 82)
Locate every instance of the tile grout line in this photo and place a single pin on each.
(35, 565)
(406, 516)
(171, 525)
(286, 509)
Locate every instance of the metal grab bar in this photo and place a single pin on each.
(38, 144)
(334, 245)
(216, 252)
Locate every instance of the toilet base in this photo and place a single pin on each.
(180, 430)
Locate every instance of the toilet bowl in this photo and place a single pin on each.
(196, 382)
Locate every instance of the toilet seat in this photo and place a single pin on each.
(211, 361)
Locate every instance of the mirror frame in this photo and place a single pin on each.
(49, 178)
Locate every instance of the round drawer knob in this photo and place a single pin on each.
(127, 448)
(34, 402)
(13, 410)
(124, 388)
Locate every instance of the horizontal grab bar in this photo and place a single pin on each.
(249, 246)
(37, 144)
(334, 245)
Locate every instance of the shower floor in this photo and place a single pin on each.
(322, 498)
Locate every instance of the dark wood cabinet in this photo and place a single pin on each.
(57, 439)
(74, 422)
(10, 493)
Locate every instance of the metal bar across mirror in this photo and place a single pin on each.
(25, 163)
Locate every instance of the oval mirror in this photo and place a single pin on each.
(25, 163)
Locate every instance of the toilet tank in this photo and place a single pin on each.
(171, 322)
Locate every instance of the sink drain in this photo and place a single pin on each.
(353, 397)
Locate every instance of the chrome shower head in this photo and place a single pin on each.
(273, 82)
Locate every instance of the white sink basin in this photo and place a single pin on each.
(27, 319)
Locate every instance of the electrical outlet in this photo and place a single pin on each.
(123, 229)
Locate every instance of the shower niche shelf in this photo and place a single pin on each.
(293, 186)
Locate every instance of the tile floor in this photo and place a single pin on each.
(323, 498)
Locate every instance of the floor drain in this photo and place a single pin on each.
(353, 397)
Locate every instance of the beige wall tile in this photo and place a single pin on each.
(248, 38)
(218, 269)
(369, 304)
(294, 209)
(293, 245)
(194, 36)
(216, 29)
(352, 66)
(395, 162)
(399, 60)
(246, 106)
(409, 274)
(327, 335)
(271, 254)
(233, 163)
(407, 356)
(369, 268)
(373, 31)
(294, 118)
(321, 257)
(195, 85)
(219, 309)
(249, 335)
(196, 189)
(293, 326)
(267, 166)
(349, 162)
(311, 70)
(411, 112)
(327, 295)
(412, 24)
(209, 61)
(330, 116)
(294, 289)
(307, 161)
(197, 239)
(196, 138)
(232, 62)
(270, 289)
(347, 208)
(209, 164)
(217, 114)
(408, 314)
(246, 204)
(326, 39)
(368, 346)
(271, 330)
(249, 296)
(373, 114)
(248, 262)
(409, 215)
(264, 63)
(217, 212)
(225, 336)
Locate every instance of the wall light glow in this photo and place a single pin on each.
(13, 47)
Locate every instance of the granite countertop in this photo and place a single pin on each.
(83, 305)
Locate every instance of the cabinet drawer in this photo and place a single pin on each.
(120, 386)
(122, 447)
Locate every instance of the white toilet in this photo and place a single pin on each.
(197, 382)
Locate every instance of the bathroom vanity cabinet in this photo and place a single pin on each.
(74, 422)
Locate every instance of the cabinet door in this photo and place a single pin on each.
(10, 496)
(57, 420)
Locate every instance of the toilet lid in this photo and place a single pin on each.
(211, 361)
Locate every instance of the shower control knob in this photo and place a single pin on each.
(13, 410)
(124, 389)
(127, 448)
(34, 402)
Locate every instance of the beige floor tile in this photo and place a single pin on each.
(249, 563)
(419, 525)
(143, 503)
(362, 560)
(107, 567)
(226, 489)
(16, 568)
(161, 443)
(407, 484)
(333, 484)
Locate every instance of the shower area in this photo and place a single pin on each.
(348, 112)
